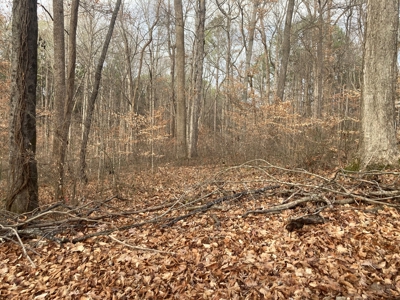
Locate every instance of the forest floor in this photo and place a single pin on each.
(253, 231)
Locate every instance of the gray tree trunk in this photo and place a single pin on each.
(319, 64)
(90, 106)
(248, 76)
(198, 78)
(181, 149)
(59, 90)
(379, 141)
(285, 51)
(22, 194)
(68, 100)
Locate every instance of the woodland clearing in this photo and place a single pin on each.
(241, 232)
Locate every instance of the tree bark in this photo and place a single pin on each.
(198, 78)
(379, 144)
(319, 64)
(248, 76)
(90, 106)
(59, 90)
(22, 194)
(69, 98)
(285, 51)
(181, 149)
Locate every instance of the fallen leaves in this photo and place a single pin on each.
(354, 254)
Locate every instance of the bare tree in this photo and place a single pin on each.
(285, 51)
(181, 150)
(59, 88)
(379, 145)
(197, 78)
(248, 76)
(63, 93)
(23, 178)
(90, 106)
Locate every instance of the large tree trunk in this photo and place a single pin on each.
(285, 51)
(379, 89)
(23, 186)
(198, 78)
(90, 106)
(181, 150)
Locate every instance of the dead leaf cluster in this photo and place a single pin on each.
(209, 233)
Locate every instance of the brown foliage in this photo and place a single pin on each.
(218, 254)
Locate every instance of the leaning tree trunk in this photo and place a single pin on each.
(22, 194)
(379, 144)
(90, 106)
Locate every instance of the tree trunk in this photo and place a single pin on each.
(379, 89)
(22, 194)
(248, 76)
(90, 106)
(69, 97)
(285, 51)
(59, 91)
(181, 150)
(171, 52)
(198, 78)
(319, 64)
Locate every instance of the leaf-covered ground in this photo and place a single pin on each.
(216, 254)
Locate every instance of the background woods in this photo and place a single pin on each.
(210, 149)
(274, 79)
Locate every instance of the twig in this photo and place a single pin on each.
(15, 232)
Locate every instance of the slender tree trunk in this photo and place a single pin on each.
(90, 106)
(129, 67)
(181, 150)
(248, 77)
(171, 52)
(68, 100)
(379, 144)
(198, 78)
(59, 92)
(285, 51)
(22, 194)
(136, 89)
(267, 64)
(319, 64)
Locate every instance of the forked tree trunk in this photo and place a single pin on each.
(379, 144)
(22, 194)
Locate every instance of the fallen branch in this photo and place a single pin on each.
(210, 204)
